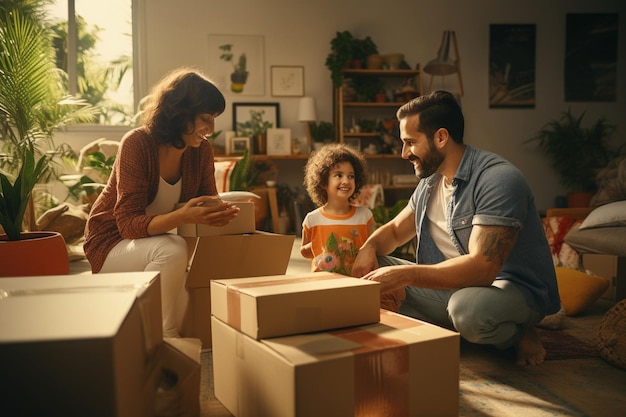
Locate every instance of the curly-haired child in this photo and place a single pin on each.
(333, 233)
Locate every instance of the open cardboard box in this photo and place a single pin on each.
(77, 345)
(398, 367)
(229, 256)
(611, 267)
(271, 306)
(179, 388)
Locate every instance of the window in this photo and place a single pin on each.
(97, 54)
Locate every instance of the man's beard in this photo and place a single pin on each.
(430, 163)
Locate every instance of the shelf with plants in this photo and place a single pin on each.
(356, 101)
(371, 125)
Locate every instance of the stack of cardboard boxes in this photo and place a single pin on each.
(233, 251)
(318, 345)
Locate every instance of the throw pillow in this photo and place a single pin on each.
(611, 214)
(611, 335)
(578, 290)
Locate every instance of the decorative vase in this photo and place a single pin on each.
(36, 253)
(260, 144)
(374, 61)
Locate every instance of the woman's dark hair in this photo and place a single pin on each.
(319, 165)
(173, 103)
(436, 110)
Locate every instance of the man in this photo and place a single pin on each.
(483, 263)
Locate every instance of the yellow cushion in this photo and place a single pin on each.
(578, 290)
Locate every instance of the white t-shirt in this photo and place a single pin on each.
(436, 212)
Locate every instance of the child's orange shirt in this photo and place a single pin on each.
(335, 240)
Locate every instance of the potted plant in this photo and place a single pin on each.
(346, 51)
(31, 107)
(577, 153)
(239, 75)
(321, 132)
(255, 128)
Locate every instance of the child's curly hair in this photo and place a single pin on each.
(319, 165)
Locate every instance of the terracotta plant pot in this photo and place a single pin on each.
(578, 199)
(37, 253)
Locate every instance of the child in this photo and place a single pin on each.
(333, 233)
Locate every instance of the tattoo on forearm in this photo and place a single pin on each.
(497, 243)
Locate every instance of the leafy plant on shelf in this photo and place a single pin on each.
(383, 215)
(346, 48)
(243, 174)
(322, 131)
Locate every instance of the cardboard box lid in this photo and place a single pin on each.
(68, 306)
(243, 223)
(236, 256)
(303, 349)
(272, 306)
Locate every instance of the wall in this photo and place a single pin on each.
(298, 33)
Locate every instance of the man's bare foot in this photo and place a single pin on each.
(529, 349)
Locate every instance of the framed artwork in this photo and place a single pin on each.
(591, 57)
(287, 81)
(512, 65)
(278, 141)
(236, 64)
(354, 143)
(251, 118)
(237, 145)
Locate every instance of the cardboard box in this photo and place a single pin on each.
(232, 256)
(398, 367)
(611, 267)
(179, 388)
(79, 345)
(243, 223)
(265, 307)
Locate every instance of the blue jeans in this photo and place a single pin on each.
(497, 315)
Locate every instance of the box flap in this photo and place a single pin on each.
(236, 256)
(68, 307)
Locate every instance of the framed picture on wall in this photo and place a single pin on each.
(287, 81)
(237, 145)
(591, 57)
(249, 118)
(512, 65)
(238, 61)
(278, 141)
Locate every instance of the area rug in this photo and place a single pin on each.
(561, 345)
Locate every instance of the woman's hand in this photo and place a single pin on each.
(209, 210)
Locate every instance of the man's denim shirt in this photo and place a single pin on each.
(491, 191)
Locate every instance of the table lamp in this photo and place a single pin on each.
(307, 114)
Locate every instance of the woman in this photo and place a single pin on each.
(164, 162)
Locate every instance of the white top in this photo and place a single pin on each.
(436, 212)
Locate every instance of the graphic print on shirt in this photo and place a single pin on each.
(338, 256)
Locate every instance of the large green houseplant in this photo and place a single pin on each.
(32, 106)
(576, 152)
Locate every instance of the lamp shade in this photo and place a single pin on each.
(306, 112)
(443, 64)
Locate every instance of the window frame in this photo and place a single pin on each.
(139, 68)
